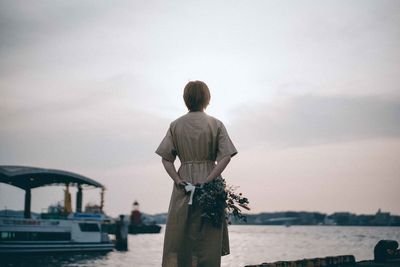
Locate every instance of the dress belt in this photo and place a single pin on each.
(198, 161)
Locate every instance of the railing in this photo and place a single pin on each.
(27, 222)
(53, 216)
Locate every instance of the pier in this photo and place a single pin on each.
(337, 261)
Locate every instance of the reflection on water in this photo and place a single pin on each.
(249, 245)
(56, 260)
(257, 244)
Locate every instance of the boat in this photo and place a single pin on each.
(144, 229)
(137, 226)
(63, 231)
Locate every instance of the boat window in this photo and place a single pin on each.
(35, 236)
(89, 227)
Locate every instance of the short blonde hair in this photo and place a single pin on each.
(196, 95)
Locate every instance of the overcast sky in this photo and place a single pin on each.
(308, 90)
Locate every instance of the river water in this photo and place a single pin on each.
(249, 245)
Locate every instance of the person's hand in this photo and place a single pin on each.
(179, 182)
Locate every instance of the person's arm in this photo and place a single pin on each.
(219, 168)
(171, 170)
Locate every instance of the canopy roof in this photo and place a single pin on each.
(30, 177)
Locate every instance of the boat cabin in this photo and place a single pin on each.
(70, 231)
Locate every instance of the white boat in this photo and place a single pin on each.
(69, 232)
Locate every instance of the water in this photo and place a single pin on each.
(249, 245)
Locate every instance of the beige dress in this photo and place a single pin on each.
(199, 140)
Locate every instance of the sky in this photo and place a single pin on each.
(308, 90)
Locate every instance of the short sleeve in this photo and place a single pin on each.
(167, 148)
(225, 145)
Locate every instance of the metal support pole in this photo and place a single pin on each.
(102, 199)
(79, 199)
(27, 208)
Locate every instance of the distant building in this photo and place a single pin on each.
(381, 218)
(344, 218)
(329, 221)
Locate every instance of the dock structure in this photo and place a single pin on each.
(345, 260)
(59, 230)
(28, 178)
(388, 263)
(336, 261)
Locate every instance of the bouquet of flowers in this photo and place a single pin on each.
(219, 202)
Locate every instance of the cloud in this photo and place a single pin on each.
(91, 87)
(310, 119)
(105, 132)
(23, 24)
